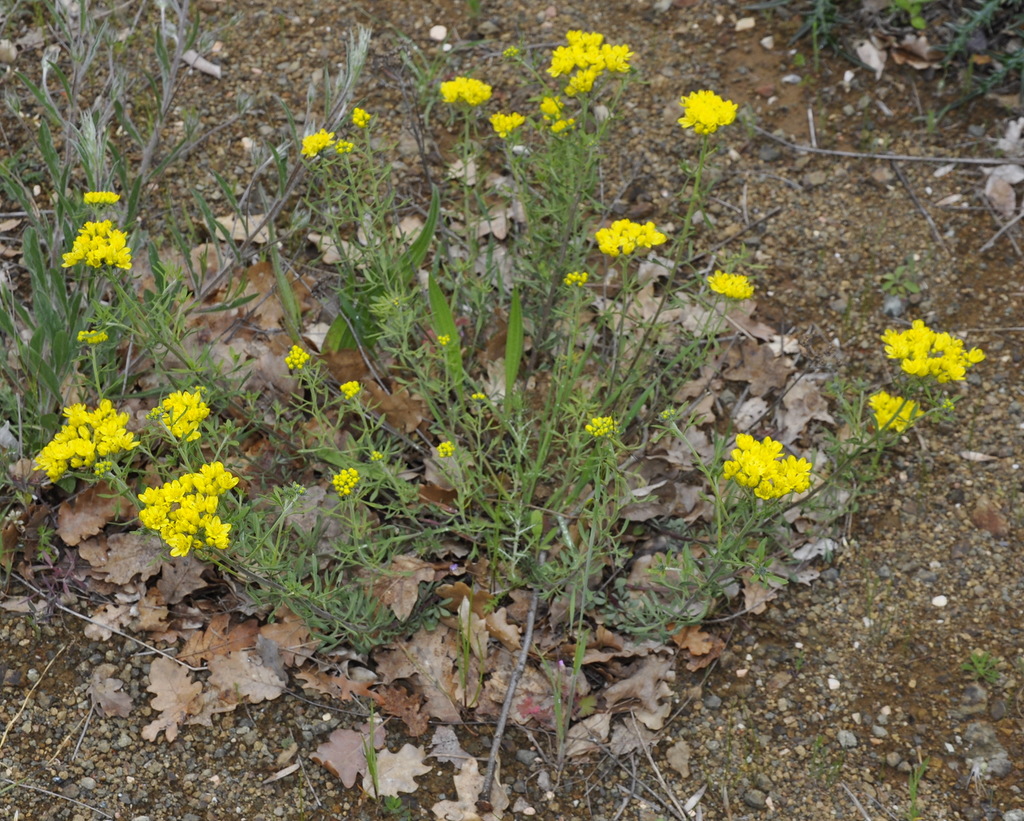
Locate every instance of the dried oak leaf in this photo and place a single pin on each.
(645, 692)
(181, 577)
(177, 698)
(399, 702)
(344, 754)
(338, 687)
(240, 674)
(218, 639)
(87, 513)
(468, 783)
(106, 692)
(428, 657)
(398, 586)
(396, 771)
(126, 556)
(445, 746)
(106, 619)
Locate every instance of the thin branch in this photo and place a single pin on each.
(56, 795)
(920, 207)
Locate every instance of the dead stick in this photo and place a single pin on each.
(506, 708)
(864, 155)
(1002, 231)
(920, 207)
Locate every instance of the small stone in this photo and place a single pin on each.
(755, 799)
(846, 739)
(893, 759)
(768, 42)
(87, 783)
(940, 601)
(833, 683)
(879, 731)
(1013, 815)
(998, 711)
(745, 23)
(893, 306)
(712, 702)
(438, 34)
(527, 757)
(763, 782)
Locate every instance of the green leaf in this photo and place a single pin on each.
(513, 342)
(444, 325)
(417, 252)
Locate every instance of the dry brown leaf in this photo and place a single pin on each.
(180, 577)
(177, 698)
(802, 402)
(400, 408)
(987, 515)
(758, 365)
(429, 658)
(645, 691)
(756, 596)
(398, 586)
(86, 514)
(291, 635)
(239, 228)
(588, 735)
(241, 674)
(114, 616)
(123, 557)
(153, 613)
(396, 771)
(498, 627)
(338, 687)
(218, 639)
(445, 746)
(628, 736)
(678, 758)
(468, 783)
(343, 755)
(106, 693)
(397, 701)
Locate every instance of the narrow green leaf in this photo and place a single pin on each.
(513, 342)
(444, 325)
(417, 252)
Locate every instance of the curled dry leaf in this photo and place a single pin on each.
(107, 694)
(177, 698)
(87, 513)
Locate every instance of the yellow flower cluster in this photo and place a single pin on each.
(510, 52)
(625, 236)
(99, 243)
(551, 108)
(505, 124)
(758, 465)
(376, 456)
(577, 278)
(351, 389)
(296, 359)
(926, 353)
(602, 426)
(589, 56)
(465, 90)
(893, 412)
(734, 286)
(344, 147)
(84, 437)
(92, 337)
(184, 511)
(361, 118)
(315, 143)
(181, 412)
(443, 339)
(101, 197)
(478, 396)
(446, 449)
(705, 112)
(346, 481)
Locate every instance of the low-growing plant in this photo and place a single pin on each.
(982, 666)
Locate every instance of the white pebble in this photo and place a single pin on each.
(940, 601)
(745, 23)
(438, 33)
(768, 42)
(833, 683)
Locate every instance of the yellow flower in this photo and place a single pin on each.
(551, 108)
(602, 426)
(183, 511)
(625, 236)
(480, 397)
(351, 389)
(926, 353)
(893, 412)
(758, 465)
(86, 436)
(345, 481)
(443, 339)
(296, 359)
(734, 286)
(705, 112)
(505, 124)
(465, 90)
(92, 337)
(589, 56)
(182, 412)
(376, 456)
(101, 197)
(344, 147)
(98, 243)
(510, 52)
(445, 450)
(315, 143)
(582, 81)
(361, 118)
(577, 278)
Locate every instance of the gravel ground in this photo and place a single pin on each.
(821, 707)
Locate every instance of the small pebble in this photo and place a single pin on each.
(846, 739)
(755, 799)
(940, 601)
